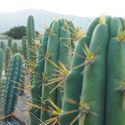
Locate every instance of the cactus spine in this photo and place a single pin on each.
(13, 78)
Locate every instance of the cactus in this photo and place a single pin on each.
(1, 62)
(116, 75)
(24, 48)
(15, 48)
(12, 83)
(52, 50)
(2, 45)
(2, 90)
(7, 56)
(31, 45)
(75, 77)
(37, 87)
(30, 37)
(20, 50)
(10, 43)
(99, 81)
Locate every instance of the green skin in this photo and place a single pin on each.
(7, 54)
(14, 74)
(115, 75)
(31, 45)
(114, 29)
(10, 43)
(2, 90)
(2, 45)
(15, 48)
(58, 52)
(75, 78)
(1, 62)
(37, 82)
(24, 48)
(115, 113)
(30, 30)
(53, 49)
(64, 58)
(94, 82)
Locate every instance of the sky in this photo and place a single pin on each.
(74, 7)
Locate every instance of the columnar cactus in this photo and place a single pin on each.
(24, 48)
(15, 48)
(74, 79)
(7, 56)
(38, 76)
(12, 83)
(10, 43)
(31, 44)
(100, 84)
(53, 54)
(30, 37)
(1, 62)
(2, 90)
(2, 45)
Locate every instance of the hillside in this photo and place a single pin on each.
(42, 17)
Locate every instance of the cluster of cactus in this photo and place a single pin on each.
(12, 84)
(55, 53)
(97, 77)
(94, 88)
(76, 81)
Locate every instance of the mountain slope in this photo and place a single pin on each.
(42, 17)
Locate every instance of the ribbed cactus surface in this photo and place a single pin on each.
(12, 83)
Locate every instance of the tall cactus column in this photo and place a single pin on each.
(115, 111)
(94, 83)
(52, 52)
(60, 55)
(74, 79)
(31, 45)
(103, 97)
(12, 84)
(7, 57)
(38, 78)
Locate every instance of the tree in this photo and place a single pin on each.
(17, 32)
